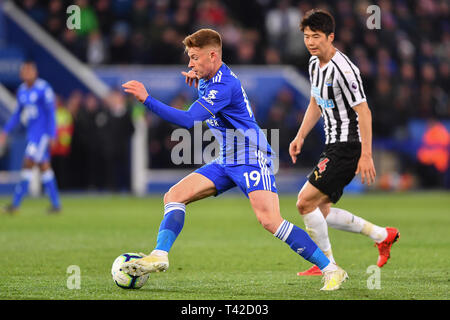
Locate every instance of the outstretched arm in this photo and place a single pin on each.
(10, 125)
(186, 119)
(14, 120)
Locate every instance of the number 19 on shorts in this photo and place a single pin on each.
(254, 177)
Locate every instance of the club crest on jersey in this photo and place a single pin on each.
(210, 97)
(329, 82)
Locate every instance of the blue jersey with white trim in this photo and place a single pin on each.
(232, 120)
(35, 109)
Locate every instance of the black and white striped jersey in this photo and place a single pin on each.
(337, 87)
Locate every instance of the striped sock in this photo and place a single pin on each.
(171, 225)
(301, 243)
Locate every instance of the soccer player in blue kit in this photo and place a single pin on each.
(246, 163)
(36, 109)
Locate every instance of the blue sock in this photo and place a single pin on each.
(171, 225)
(301, 243)
(51, 188)
(21, 188)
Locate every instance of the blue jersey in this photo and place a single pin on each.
(35, 109)
(232, 120)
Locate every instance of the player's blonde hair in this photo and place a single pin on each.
(203, 38)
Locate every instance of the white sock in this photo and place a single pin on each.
(343, 220)
(157, 252)
(26, 174)
(330, 267)
(317, 228)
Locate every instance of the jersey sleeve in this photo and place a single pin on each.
(351, 84)
(311, 64)
(15, 117)
(311, 67)
(217, 96)
(185, 119)
(50, 108)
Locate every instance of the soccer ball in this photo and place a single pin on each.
(123, 279)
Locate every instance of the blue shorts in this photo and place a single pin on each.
(248, 177)
(38, 150)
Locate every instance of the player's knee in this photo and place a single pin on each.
(304, 206)
(28, 164)
(44, 166)
(170, 196)
(175, 195)
(325, 209)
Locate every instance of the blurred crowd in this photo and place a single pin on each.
(92, 149)
(405, 64)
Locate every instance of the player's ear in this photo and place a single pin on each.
(331, 37)
(214, 53)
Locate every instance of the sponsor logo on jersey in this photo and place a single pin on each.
(212, 122)
(324, 103)
(211, 95)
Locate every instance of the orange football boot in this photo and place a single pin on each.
(313, 271)
(384, 247)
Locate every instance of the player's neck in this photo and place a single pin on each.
(327, 56)
(30, 83)
(215, 70)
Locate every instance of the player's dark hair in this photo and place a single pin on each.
(318, 20)
(203, 38)
(30, 62)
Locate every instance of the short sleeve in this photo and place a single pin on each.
(49, 96)
(311, 67)
(351, 83)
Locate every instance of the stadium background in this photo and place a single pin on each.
(108, 143)
(222, 252)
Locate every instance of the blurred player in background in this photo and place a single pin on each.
(337, 95)
(36, 110)
(245, 163)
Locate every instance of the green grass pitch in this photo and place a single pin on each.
(222, 253)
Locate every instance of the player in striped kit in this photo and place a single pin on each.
(337, 94)
(245, 162)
